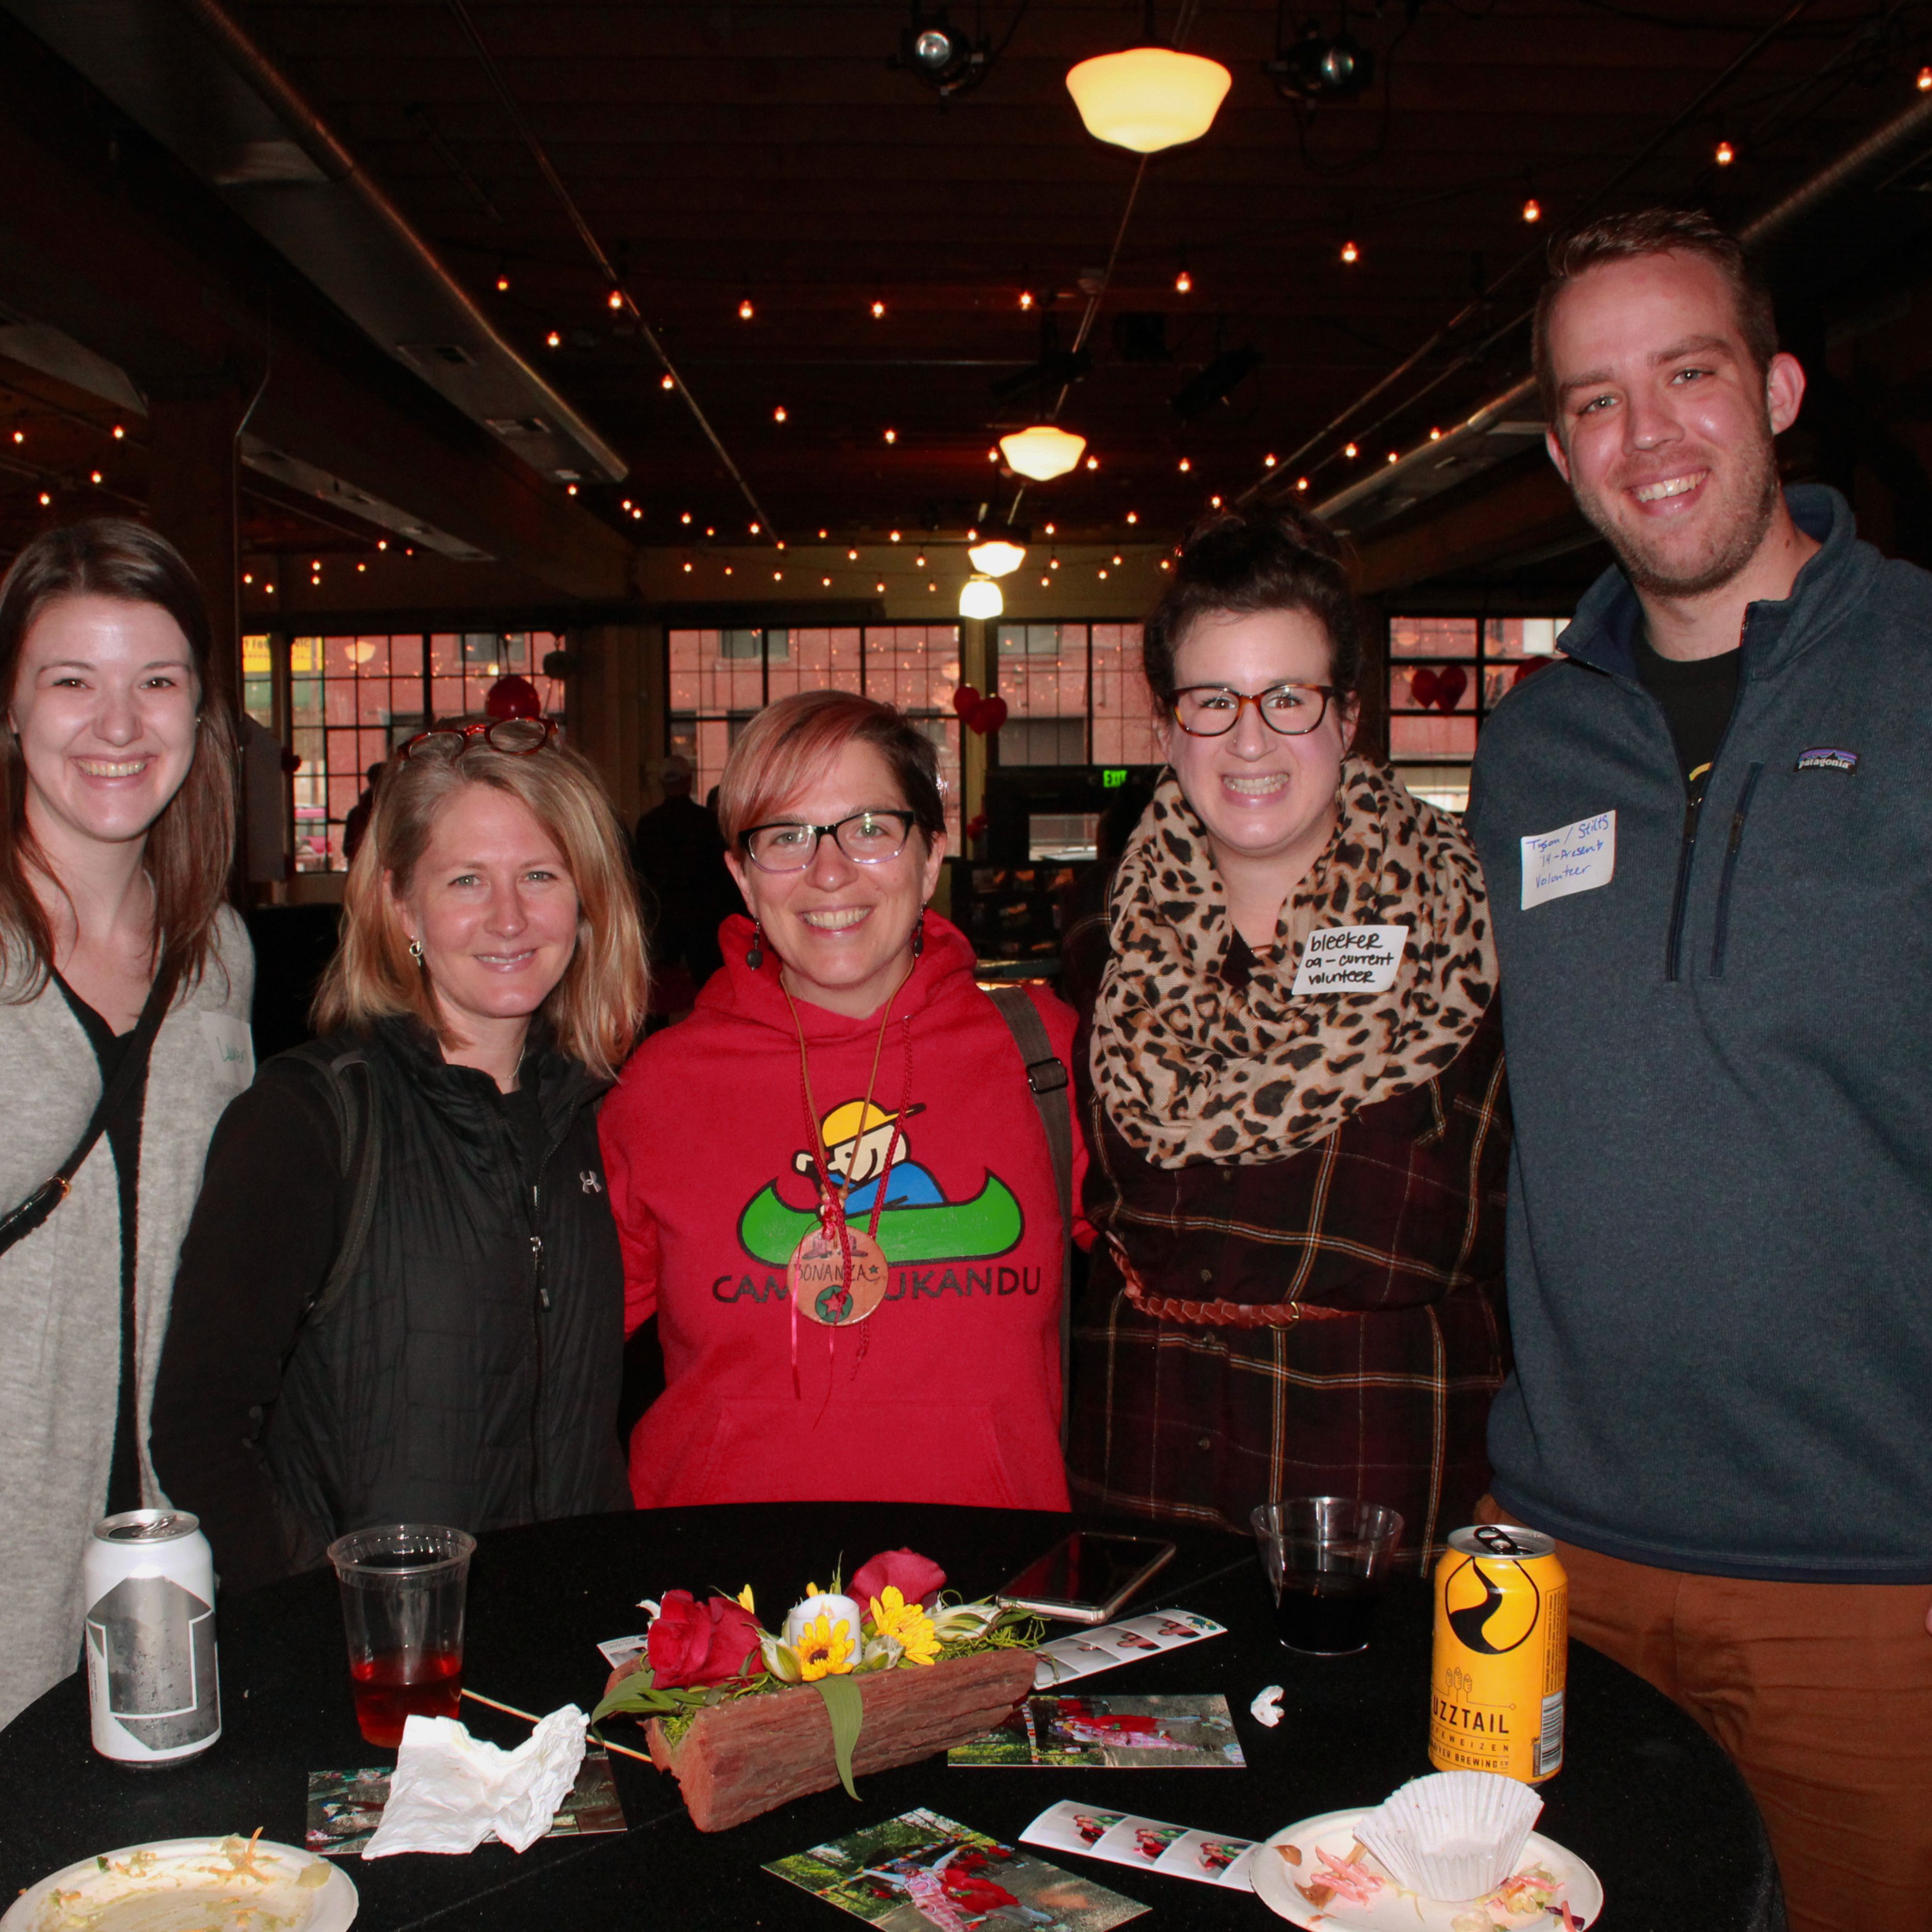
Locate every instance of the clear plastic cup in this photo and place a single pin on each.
(402, 1588)
(1328, 1559)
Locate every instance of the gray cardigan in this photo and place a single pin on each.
(60, 1288)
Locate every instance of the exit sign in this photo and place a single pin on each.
(1112, 777)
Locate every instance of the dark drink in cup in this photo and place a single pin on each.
(401, 1685)
(1326, 1614)
(402, 1589)
(1326, 1559)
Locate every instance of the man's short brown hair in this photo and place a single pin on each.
(1651, 231)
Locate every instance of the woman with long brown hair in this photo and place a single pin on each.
(400, 1299)
(125, 980)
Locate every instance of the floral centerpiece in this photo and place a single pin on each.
(893, 1657)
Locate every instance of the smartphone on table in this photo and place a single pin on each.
(1086, 1577)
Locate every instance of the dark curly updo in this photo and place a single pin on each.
(1238, 562)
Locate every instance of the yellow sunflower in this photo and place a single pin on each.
(824, 1648)
(892, 1616)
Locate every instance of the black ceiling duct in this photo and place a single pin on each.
(1052, 371)
(1140, 336)
(1216, 383)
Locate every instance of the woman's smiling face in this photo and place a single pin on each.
(842, 929)
(1265, 797)
(103, 704)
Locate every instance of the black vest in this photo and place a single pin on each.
(467, 1372)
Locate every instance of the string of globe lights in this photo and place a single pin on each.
(1274, 480)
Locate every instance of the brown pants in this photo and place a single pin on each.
(1821, 1695)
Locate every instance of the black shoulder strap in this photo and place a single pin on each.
(33, 1211)
(1047, 1078)
(352, 1100)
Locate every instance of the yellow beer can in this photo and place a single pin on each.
(1502, 1653)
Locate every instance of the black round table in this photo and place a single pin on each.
(1645, 1796)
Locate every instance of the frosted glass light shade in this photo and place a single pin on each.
(997, 556)
(980, 597)
(1148, 98)
(1041, 453)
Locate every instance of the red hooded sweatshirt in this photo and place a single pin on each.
(949, 1392)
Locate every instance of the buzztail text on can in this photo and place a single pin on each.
(147, 1580)
(1501, 1665)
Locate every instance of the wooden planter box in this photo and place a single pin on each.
(752, 1755)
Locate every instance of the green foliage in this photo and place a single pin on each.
(845, 1707)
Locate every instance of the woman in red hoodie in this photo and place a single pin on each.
(832, 1185)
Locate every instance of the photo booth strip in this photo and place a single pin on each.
(1083, 1653)
(1145, 1844)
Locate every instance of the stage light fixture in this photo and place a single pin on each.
(1145, 99)
(1319, 66)
(935, 52)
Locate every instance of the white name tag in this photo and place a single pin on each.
(231, 1048)
(1575, 858)
(1351, 959)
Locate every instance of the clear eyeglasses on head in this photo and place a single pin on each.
(867, 837)
(1214, 710)
(518, 735)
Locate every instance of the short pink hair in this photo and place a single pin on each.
(790, 743)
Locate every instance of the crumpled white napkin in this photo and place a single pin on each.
(450, 1791)
(1266, 1709)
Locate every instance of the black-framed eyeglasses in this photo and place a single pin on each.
(866, 838)
(519, 737)
(1214, 710)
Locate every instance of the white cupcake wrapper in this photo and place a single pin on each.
(1454, 1836)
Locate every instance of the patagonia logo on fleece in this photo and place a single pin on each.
(1824, 759)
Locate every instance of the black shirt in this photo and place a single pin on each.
(1697, 694)
(122, 1133)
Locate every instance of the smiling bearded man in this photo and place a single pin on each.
(1708, 859)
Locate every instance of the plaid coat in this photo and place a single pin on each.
(1388, 1236)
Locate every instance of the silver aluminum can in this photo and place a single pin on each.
(147, 1580)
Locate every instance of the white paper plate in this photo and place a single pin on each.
(190, 1885)
(1391, 1910)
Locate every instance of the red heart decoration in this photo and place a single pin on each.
(1422, 686)
(990, 716)
(966, 701)
(1451, 683)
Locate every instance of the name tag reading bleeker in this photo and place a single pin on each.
(1573, 859)
(1351, 959)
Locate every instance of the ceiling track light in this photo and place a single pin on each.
(937, 54)
(1319, 67)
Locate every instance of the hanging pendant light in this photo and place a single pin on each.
(998, 552)
(1148, 98)
(980, 597)
(1041, 453)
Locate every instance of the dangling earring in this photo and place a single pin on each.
(415, 951)
(919, 937)
(755, 958)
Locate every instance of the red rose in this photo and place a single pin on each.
(917, 1578)
(692, 1644)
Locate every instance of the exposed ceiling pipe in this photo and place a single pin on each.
(1853, 165)
(187, 74)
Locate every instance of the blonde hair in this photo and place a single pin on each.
(596, 1009)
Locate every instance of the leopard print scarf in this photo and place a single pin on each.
(1190, 1068)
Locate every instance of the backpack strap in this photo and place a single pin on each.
(1048, 1079)
(359, 1127)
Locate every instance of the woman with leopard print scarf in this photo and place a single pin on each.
(1292, 1084)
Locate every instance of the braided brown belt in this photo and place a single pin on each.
(1217, 1314)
